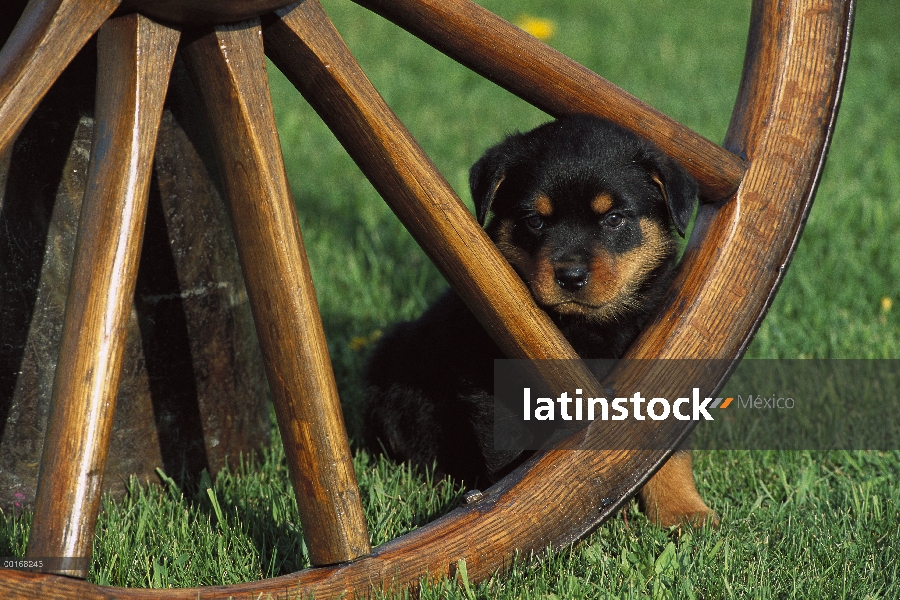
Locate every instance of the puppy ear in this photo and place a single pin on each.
(485, 178)
(488, 174)
(679, 190)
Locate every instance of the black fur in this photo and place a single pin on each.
(428, 396)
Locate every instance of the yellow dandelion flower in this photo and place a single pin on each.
(542, 29)
(886, 304)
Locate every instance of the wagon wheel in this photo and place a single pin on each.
(756, 193)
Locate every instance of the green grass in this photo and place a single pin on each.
(794, 524)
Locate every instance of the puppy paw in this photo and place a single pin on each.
(695, 515)
(670, 497)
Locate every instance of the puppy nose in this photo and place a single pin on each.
(571, 277)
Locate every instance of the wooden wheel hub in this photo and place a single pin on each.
(202, 12)
(757, 190)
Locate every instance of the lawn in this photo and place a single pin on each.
(794, 524)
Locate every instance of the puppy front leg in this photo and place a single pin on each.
(670, 497)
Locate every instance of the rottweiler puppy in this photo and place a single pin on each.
(586, 212)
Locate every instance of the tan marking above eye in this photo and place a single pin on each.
(602, 203)
(543, 206)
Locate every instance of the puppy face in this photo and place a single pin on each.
(584, 211)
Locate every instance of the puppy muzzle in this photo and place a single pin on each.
(571, 277)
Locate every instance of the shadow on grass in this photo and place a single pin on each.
(255, 500)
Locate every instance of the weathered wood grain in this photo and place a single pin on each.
(134, 60)
(47, 37)
(230, 68)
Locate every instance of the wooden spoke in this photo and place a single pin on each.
(230, 68)
(135, 57)
(307, 49)
(48, 36)
(555, 83)
(305, 46)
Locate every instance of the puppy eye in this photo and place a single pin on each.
(535, 222)
(613, 221)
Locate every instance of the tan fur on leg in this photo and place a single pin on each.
(671, 498)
